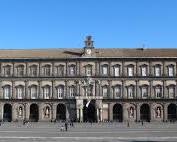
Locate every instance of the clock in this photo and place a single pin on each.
(88, 51)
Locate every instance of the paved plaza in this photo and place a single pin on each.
(86, 132)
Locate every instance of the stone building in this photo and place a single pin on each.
(88, 84)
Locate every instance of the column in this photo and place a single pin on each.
(151, 112)
(136, 90)
(165, 112)
(81, 115)
(40, 96)
(110, 113)
(98, 114)
(14, 116)
(125, 114)
(26, 90)
(101, 114)
(78, 114)
(138, 112)
(13, 90)
(150, 85)
(54, 111)
(66, 95)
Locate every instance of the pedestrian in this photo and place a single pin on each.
(142, 122)
(66, 126)
(128, 125)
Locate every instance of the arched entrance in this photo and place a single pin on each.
(172, 112)
(34, 113)
(145, 113)
(89, 111)
(117, 113)
(7, 115)
(61, 112)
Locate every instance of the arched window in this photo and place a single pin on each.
(20, 92)
(7, 91)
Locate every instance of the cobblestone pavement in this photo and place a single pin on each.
(86, 132)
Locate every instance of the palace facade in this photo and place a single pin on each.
(88, 84)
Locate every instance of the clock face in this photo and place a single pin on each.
(88, 51)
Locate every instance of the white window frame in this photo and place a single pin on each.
(20, 92)
(47, 70)
(144, 91)
(71, 91)
(144, 70)
(116, 70)
(171, 91)
(131, 91)
(130, 70)
(117, 91)
(104, 69)
(7, 70)
(170, 70)
(60, 70)
(7, 92)
(33, 70)
(33, 92)
(158, 91)
(157, 70)
(60, 91)
(46, 92)
(72, 70)
(105, 91)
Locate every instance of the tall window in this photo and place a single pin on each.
(130, 70)
(7, 70)
(130, 91)
(60, 70)
(33, 92)
(116, 70)
(88, 91)
(117, 91)
(104, 69)
(105, 91)
(20, 70)
(157, 70)
(7, 92)
(60, 91)
(46, 92)
(46, 70)
(171, 91)
(72, 91)
(158, 91)
(33, 70)
(144, 70)
(171, 70)
(144, 91)
(88, 70)
(20, 92)
(72, 70)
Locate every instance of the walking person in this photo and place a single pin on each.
(66, 126)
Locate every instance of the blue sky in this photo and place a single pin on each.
(65, 23)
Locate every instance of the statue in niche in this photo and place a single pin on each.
(46, 112)
(158, 112)
(131, 112)
(20, 112)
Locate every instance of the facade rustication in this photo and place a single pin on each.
(88, 84)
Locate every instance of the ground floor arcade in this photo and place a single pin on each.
(88, 111)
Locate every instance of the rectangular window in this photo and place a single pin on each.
(33, 92)
(46, 92)
(104, 70)
(46, 71)
(60, 92)
(144, 92)
(130, 71)
(158, 92)
(170, 71)
(116, 71)
(60, 71)
(144, 71)
(171, 92)
(33, 71)
(20, 71)
(130, 92)
(71, 91)
(117, 92)
(7, 70)
(72, 70)
(20, 93)
(105, 91)
(88, 71)
(157, 71)
(7, 92)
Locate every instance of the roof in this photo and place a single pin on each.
(77, 53)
